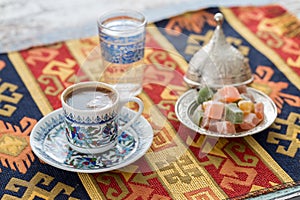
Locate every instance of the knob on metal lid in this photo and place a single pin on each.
(218, 63)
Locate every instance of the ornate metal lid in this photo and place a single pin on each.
(218, 63)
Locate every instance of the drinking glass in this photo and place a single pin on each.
(122, 42)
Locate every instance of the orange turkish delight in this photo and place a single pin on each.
(228, 94)
(246, 106)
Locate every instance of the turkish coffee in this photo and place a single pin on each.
(90, 98)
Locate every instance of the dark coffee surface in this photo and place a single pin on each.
(89, 98)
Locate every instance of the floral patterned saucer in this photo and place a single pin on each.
(49, 143)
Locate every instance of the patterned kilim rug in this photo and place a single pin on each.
(180, 163)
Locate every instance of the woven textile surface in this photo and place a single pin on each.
(180, 163)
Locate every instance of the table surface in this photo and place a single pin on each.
(45, 22)
(180, 164)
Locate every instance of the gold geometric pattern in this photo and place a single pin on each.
(15, 151)
(12, 145)
(181, 169)
(194, 40)
(286, 24)
(32, 189)
(9, 100)
(203, 193)
(291, 135)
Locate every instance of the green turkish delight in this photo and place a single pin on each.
(204, 94)
(233, 113)
(198, 115)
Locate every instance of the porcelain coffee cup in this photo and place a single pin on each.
(91, 116)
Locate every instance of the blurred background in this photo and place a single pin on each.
(27, 23)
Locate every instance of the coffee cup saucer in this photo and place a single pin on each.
(48, 141)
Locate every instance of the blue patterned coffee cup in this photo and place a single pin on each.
(94, 129)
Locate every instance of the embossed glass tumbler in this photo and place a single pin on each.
(122, 43)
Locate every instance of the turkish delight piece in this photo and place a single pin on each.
(227, 94)
(233, 113)
(206, 104)
(242, 89)
(223, 127)
(250, 121)
(247, 97)
(204, 94)
(246, 106)
(259, 110)
(214, 110)
(205, 122)
(212, 125)
(198, 115)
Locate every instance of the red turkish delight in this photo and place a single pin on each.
(259, 110)
(214, 110)
(250, 121)
(222, 127)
